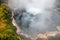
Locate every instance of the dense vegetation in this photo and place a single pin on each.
(6, 28)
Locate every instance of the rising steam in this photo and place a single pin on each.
(35, 15)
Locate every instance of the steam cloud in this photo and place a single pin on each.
(35, 16)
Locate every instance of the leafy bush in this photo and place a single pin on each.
(6, 28)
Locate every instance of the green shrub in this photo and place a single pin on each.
(7, 31)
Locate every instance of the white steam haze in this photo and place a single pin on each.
(45, 17)
(40, 4)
